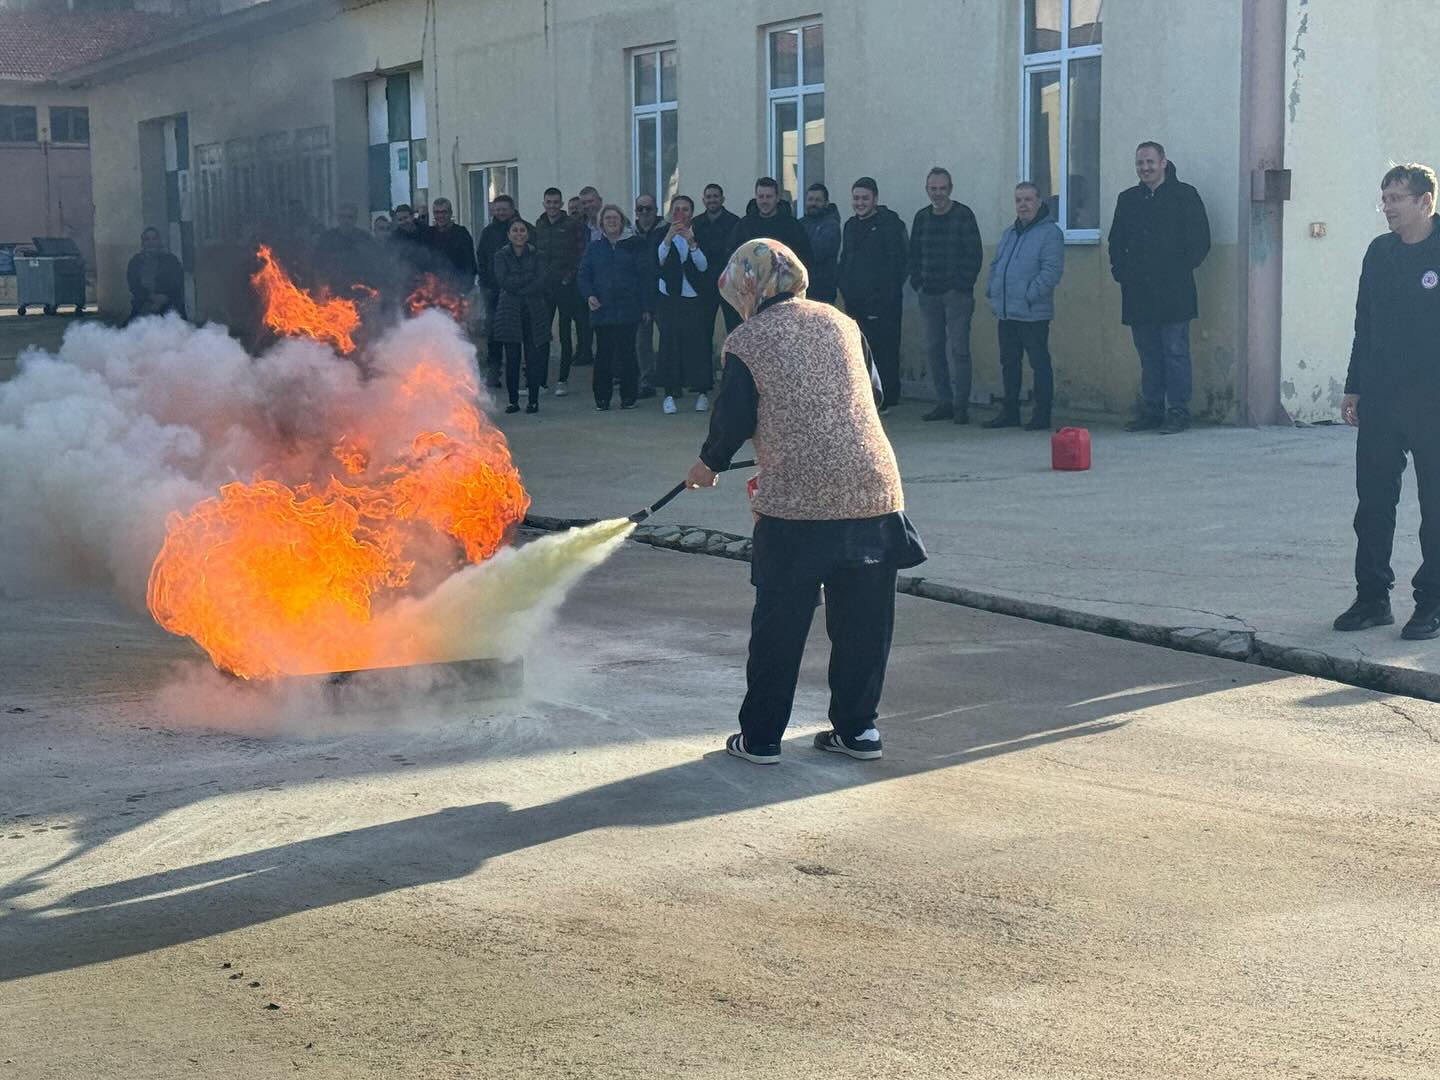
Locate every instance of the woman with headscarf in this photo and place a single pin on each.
(829, 507)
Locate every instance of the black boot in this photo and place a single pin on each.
(1176, 421)
(1008, 417)
(1147, 419)
(1039, 420)
(1425, 623)
(943, 411)
(1363, 614)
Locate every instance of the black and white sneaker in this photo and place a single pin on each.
(864, 749)
(760, 755)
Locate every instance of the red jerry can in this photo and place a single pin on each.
(1070, 449)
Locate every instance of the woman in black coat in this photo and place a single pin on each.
(520, 323)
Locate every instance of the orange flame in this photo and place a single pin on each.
(290, 310)
(274, 578)
(432, 292)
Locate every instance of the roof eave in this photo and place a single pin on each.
(271, 17)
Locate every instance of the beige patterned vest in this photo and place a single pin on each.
(822, 453)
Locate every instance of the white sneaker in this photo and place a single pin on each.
(561, 389)
(668, 406)
(702, 404)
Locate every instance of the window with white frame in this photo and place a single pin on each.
(655, 123)
(209, 193)
(1060, 130)
(487, 181)
(796, 97)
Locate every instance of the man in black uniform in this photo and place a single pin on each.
(1392, 393)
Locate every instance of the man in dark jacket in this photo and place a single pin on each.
(156, 278)
(1392, 393)
(493, 237)
(872, 278)
(407, 246)
(768, 217)
(648, 229)
(561, 242)
(454, 249)
(822, 226)
(713, 230)
(348, 255)
(1159, 235)
(945, 259)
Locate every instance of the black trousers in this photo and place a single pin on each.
(615, 359)
(1018, 339)
(713, 303)
(860, 619)
(495, 350)
(880, 323)
(514, 351)
(1387, 433)
(685, 359)
(564, 298)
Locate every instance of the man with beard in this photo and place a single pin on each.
(872, 277)
(768, 217)
(648, 230)
(408, 248)
(493, 237)
(712, 231)
(822, 226)
(561, 241)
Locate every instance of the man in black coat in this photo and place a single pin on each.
(453, 247)
(155, 277)
(822, 225)
(713, 230)
(768, 216)
(1392, 394)
(874, 263)
(1159, 235)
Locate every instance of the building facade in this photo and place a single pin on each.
(382, 101)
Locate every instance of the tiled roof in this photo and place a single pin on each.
(35, 46)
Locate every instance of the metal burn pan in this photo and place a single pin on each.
(451, 682)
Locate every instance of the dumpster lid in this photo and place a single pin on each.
(55, 247)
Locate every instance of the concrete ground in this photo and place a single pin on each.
(1080, 858)
(1239, 530)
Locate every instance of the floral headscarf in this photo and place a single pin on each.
(759, 270)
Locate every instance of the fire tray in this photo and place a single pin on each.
(450, 682)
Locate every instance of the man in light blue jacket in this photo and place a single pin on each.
(1027, 266)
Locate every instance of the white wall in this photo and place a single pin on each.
(1359, 100)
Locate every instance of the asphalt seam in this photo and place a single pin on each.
(1242, 646)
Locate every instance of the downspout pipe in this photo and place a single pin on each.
(1264, 189)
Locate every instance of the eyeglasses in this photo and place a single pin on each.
(1392, 199)
(644, 209)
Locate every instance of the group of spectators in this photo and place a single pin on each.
(639, 299)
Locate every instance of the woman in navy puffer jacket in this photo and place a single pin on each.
(617, 280)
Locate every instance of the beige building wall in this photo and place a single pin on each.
(1355, 107)
(908, 86)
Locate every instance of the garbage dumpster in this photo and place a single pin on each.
(52, 277)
